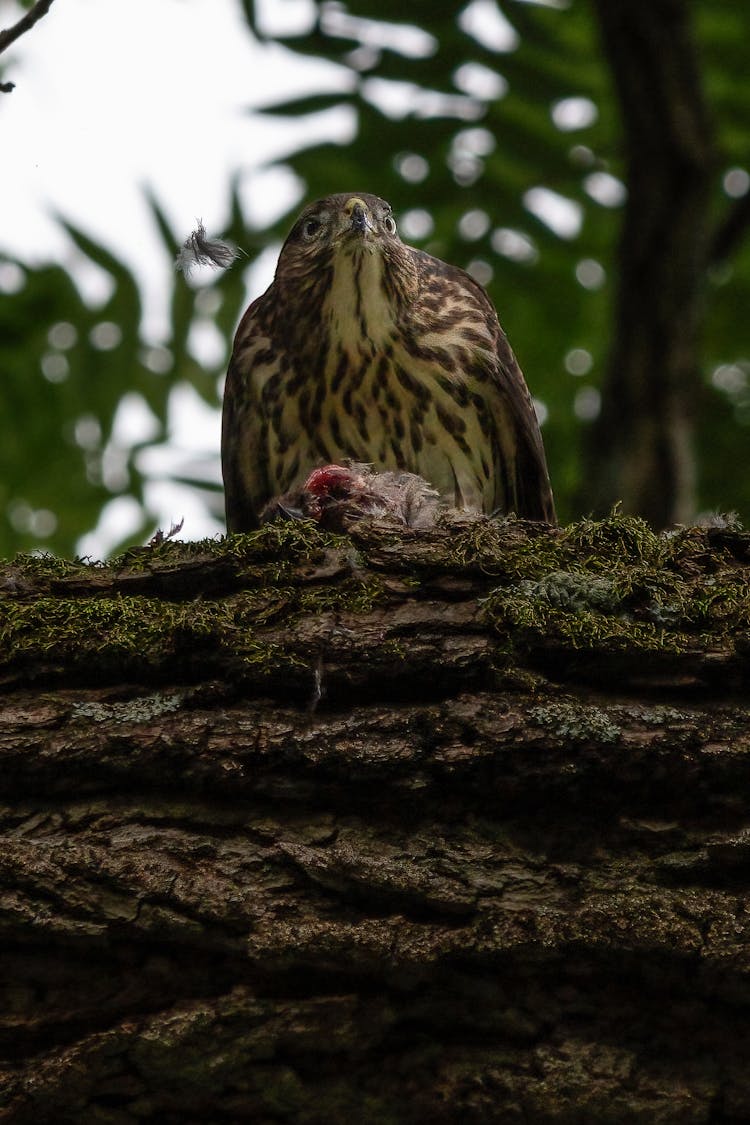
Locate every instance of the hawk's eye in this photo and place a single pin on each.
(390, 224)
(311, 228)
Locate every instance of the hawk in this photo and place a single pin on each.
(366, 349)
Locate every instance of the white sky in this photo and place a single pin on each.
(112, 95)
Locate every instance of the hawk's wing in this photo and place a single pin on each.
(244, 453)
(520, 467)
(528, 478)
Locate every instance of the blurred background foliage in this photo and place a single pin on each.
(495, 132)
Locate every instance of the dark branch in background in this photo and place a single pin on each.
(645, 431)
(24, 24)
(730, 232)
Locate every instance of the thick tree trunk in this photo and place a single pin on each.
(644, 435)
(450, 826)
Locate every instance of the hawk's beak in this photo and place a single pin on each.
(359, 219)
(359, 216)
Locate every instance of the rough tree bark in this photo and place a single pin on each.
(644, 435)
(436, 826)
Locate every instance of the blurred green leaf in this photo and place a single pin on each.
(300, 107)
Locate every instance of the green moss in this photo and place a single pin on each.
(500, 548)
(606, 587)
(616, 585)
(125, 633)
(627, 535)
(35, 569)
(269, 554)
(136, 633)
(528, 612)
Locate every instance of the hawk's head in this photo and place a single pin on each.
(344, 252)
(342, 224)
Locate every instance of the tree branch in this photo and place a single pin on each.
(730, 232)
(645, 431)
(24, 24)
(500, 873)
